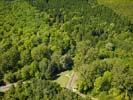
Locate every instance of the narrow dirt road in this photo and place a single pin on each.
(71, 82)
(70, 86)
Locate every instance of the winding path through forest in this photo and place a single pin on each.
(6, 87)
(70, 86)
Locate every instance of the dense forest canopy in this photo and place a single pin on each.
(123, 7)
(41, 38)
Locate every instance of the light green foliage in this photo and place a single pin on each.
(42, 38)
(43, 65)
(25, 57)
(25, 72)
(103, 83)
(9, 78)
(9, 59)
(38, 53)
(123, 7)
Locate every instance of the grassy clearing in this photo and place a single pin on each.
(124, 7)
(63, 78)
